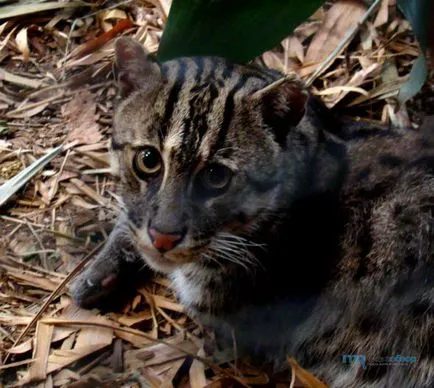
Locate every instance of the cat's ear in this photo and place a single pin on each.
(282, 103)
(135, 68)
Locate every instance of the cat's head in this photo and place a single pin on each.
(199, 145)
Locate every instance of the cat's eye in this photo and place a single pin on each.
(215, 178)
(147, 162)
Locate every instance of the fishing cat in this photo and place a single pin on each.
(271, 221)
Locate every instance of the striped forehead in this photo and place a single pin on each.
(200, 103)
(200, 106)
(194, 107)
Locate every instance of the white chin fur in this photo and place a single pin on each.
(189, 291)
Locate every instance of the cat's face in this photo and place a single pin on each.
(199, 145)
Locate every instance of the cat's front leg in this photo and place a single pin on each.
(113, 275)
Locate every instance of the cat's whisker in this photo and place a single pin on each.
(237, 256)
(209, 257)
(239, 246)
(232, 259)
(238, 240)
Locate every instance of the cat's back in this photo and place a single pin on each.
(388, 200)
(380, 304)
(380, 159)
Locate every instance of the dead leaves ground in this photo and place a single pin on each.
(56, 88)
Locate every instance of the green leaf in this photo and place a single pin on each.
(4, 129)
(239, 30)
(418, 13)
(14, 184)
(418, 75)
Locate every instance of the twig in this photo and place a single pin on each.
(35, 268)
(15, 230)
(44, 228)
(18, 363)
(19, 80)
(27, 107)
(37, 252)
(53, 190)
(41, 245)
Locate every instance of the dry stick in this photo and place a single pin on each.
(6, 334)
(350, 34)
(35, 105)
(18, 221)
(234, 344)
(15, 230)
(43, 228)
(210, 364)
(53, 190)
(54, 294)
(41, 245)
(35, 268)
(18, 363)
(36, 252)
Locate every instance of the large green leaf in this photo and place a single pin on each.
(236, 29)
(418, 13)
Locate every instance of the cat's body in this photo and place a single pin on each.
(310, 240)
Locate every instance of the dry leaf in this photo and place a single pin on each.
(160, 353)
(89, 340)
(164, 303)
(383, 14)
(171, 373)
(136, 340)
(224, 382)
(81, 119)
(38, 369)
(197, 372)
(295, 48)
(89, 191)
(133, 319)
(13, 320)
(23, 44)
(357, 79)
(339, 19)
(60, 333)
(308, 379)
(95, 44)
(111, 14)
(4, 145)
(26, 7)
(19, 80)
(165, 6)
(272, 61)
(28, 113)
(80, 202)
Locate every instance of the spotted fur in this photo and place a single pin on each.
(320, 247)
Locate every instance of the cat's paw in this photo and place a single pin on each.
(108, 285)
(91, 289)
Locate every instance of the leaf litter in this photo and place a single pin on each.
(81, 119)
(56, 89)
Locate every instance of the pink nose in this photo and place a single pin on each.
(162, 241)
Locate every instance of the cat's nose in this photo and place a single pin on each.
(164, 241)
